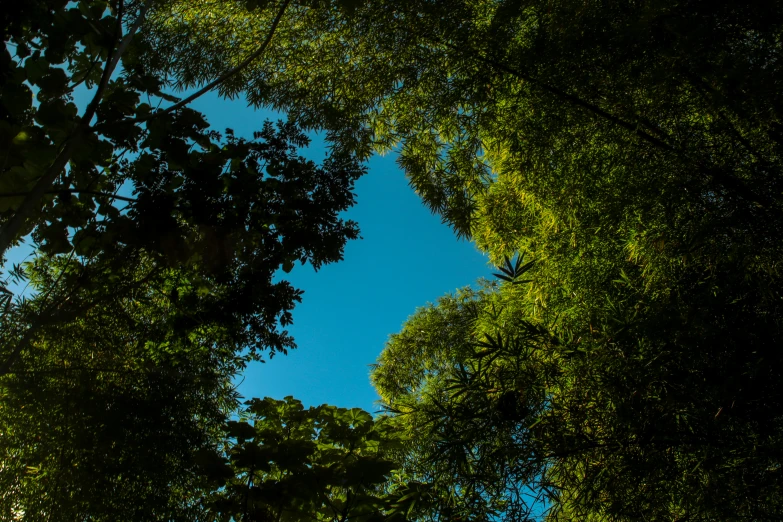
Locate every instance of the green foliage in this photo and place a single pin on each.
(633, 149)
(286, 463)
(596, 114)
(155, 244)
(466, 394)
(642, 412)
(103, 416)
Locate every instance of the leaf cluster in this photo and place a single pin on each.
(156, 243)
(284, 462)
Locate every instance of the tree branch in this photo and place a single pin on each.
(111, 66)
(590, 107)
(726, 179)
(14, 226)
(52, 318)
(226, 75)
(71, 191)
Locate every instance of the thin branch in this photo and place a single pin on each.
(12, 229)
(225, 76)
(112, 65)
(590, 107)
(71, 191)
(52, 318)
(86, 75)
(5, 368)
(59, 276)
(80, 369)
(703, 89)
(726, 179)
(14, 226)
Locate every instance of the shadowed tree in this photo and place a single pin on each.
(154, 241)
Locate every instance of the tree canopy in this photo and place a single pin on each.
(620, 161)
(155, 243)
(284, 462)
(636, 415)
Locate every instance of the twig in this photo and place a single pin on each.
(70, 191)
(223, 77)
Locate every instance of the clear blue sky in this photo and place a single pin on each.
(405, 259)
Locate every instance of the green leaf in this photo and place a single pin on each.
(36, 68)
(84, 243)
(240, 430)
(22, 50)
(349, 7)
(21, 137)
(167, 97)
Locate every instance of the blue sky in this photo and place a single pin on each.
(405, 259)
